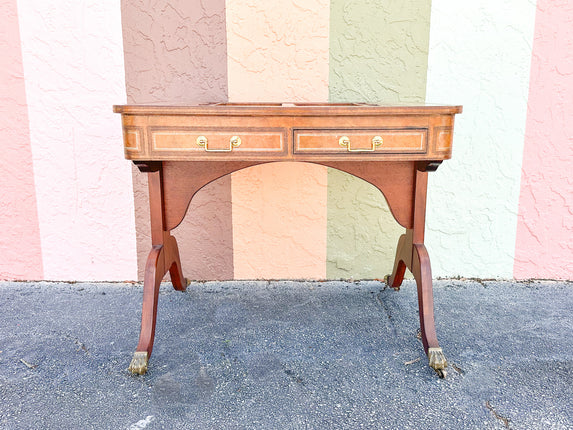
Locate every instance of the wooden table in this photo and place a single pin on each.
(183, 148)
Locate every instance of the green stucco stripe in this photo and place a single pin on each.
(378, 54)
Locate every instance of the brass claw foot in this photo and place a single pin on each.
(389, 284)
(139, 363)
(438, 361)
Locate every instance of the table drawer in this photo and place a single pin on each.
(361, 141)
(210, 141)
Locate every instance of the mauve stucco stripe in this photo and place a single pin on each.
(544, 244)
(20, 246)
(73, 68)
(176, 52)
(278, 51)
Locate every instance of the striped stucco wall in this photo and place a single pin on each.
(71, 208)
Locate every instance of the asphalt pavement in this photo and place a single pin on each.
(287, 355)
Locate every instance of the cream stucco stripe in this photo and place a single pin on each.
(378, 53)
(73, 65)
(278, 51)
(279, 227)
(480, 56)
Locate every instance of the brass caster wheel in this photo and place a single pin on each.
(442, 373)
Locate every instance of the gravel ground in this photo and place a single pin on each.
(286, 355)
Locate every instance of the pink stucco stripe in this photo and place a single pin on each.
(73, 68)
(20, 248)
(544, 245)
(278, 51)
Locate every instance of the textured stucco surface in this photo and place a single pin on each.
(480, 55)
(206, 236)
(378, 54)
(379, 50)
(278, 51)
(175, 52)
(362, 233)
(279, 221)
(19, 231)
(73, 67)
(544, 245)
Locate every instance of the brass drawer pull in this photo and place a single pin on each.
(234, 142)
(345, 141)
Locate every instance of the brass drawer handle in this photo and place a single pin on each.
(234, 142)
(345, 141)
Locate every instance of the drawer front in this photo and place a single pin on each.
(361, 141)
(208, 141)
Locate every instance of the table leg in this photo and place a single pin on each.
(175, 272)
(160, 258)
(414, 256)
(402, 260)
(154, 272)
(163, 257)
(411, 253)
(423, 276)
